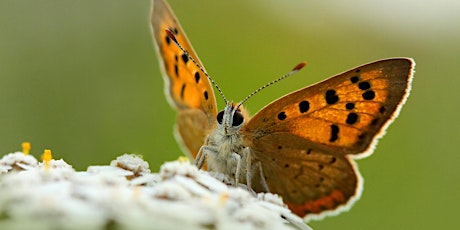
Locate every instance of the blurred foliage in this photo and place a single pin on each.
(82, 78)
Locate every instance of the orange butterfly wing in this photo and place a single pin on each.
(304, 140)
(187, 88)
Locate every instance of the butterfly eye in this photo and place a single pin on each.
(220, 117)
(238, 119)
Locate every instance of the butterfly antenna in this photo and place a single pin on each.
(173, 38)
(293, 71)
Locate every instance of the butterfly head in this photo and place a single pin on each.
(231, 119)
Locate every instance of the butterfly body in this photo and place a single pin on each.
(224, 148)
(301, 146)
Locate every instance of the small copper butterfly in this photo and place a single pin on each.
(302, 146)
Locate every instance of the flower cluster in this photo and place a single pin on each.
(126, 195)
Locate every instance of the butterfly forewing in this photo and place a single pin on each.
(342, 114)
(186, 85)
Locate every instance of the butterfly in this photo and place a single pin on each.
(301, 146)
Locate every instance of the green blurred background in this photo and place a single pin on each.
(82, 78)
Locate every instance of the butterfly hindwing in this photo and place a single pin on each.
(312, 181)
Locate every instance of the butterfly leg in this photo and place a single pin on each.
(249, 168)
(201, 156)
(237, 157)
(245, 156)
(262, 177)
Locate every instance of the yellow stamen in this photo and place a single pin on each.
(47, 157)
(183, 159)
(26, 148)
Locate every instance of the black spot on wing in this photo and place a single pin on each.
(320, 167)
(182, 90)
(168, 40)
(331, 97)
(333, 160)
(350, 106)
(352, 118)
(354, 79)
(334, 133)
(197, 77)
(368, 95)
(304, 106)
(364, 85)
(184, 58)
(176, 70)
(281, 116)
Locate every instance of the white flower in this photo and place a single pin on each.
(125, 195)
